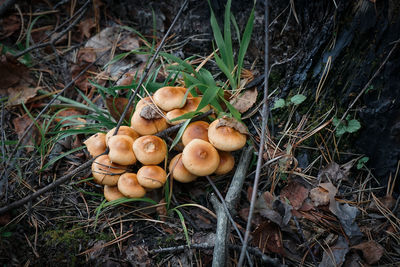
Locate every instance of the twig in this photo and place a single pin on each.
(232, 196)
(262, 137)
(255, 251)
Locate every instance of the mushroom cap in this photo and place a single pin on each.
(175, 113)
(96, 144)
(195, 130)
(169, 98)
(105, 172)
(129, 186)
(225, 138)
(150, 149)
(144, 126)
(200, 157)
(143, 102)
(226, 163)
(178, 170)
(112, 193)
(123, 130)
(121, 150)
(192, 103)
(151, 177)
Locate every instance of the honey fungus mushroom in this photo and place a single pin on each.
(151, 177)
(105, 172)
(150, 149)
(121, 150)
(200, 157)
(226, 163)
(225, 138)
(178, 170)
(146, 120)
(191, 105)
(169, 98)
(112, 193)
(129, 186)
(195, 130)
(96, 144)
(123, 130)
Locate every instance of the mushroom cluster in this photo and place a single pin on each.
(206, 149)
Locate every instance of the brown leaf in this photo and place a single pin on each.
(150, 112)
(16, 82)
(267, 236)
(20, 124)
(129, 42)
(296, 193)
(86, 26)
(332, 173)
(233, 123)
(371, 250)
(245, 100)
(323, 194)
(116, 107)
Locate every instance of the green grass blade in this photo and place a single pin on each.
(218, 36)
(225, 70)
(210, 95)
(179, 134)
(236, 26)
(52, 161)
(182, 219)
(228, 36)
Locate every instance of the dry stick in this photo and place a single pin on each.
(11, 159)
(146, 71)
(58, 37)
(231, 199)
(253, 250)
(262, 138)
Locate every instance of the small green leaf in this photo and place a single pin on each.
(280, 103)
(353, 126)
(298, 99)
(361, 162)
(6, 234)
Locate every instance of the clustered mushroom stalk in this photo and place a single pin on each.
(206, 147)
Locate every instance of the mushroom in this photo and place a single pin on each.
(121, 150)
(225, 138)
(175, 113)
(200, 157)
(150, 149)
(143, 102)
(123, 130)
(151, 177)
(105, 172)
(96, 144)
(169, 98)
(226, 163)
(179, 172)
(195, 130)
(112, 193)
(192, 103)
(129, 186)
(154, 123)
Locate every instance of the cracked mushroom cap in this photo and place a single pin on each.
(200, 157)
(147, 126)
(121, 150)
(150, 149)
(179, 172)
(129, 186)
(225, 138)
(151, 177)
(143, 102)
(96, 144)
(105, 172)
(226, 163)
(112, 193)
(123, 130)
(169, 98)
(195, 130)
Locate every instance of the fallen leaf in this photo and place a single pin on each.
(63, 114)
(267, 236)
(86, 26)
(335, 255)
(296, 193)
(347, 216)
(20, 124)
(129, 42)
(233, 123)
(371, 250)
(387, 201)
(273, 209)
(244, 101)
(16, 84)
(322, 194)
(116, 107)
(150, 112)
(332, 173)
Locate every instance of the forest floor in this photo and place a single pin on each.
(317, 201)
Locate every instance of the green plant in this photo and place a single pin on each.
(294, 100)
(348, 125)
(361, 162)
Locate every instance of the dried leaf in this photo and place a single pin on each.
(321, 195)
(267, 236)
(137, 255)
(371, 250)
(233, 123)
(86, 26)
(150, 112)
(335, 256)
(116, 107)
(245, 100)
(332, 173)
(347, 216)
(16, 82)
(129, 42)
(296, 193)
(20, 124)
